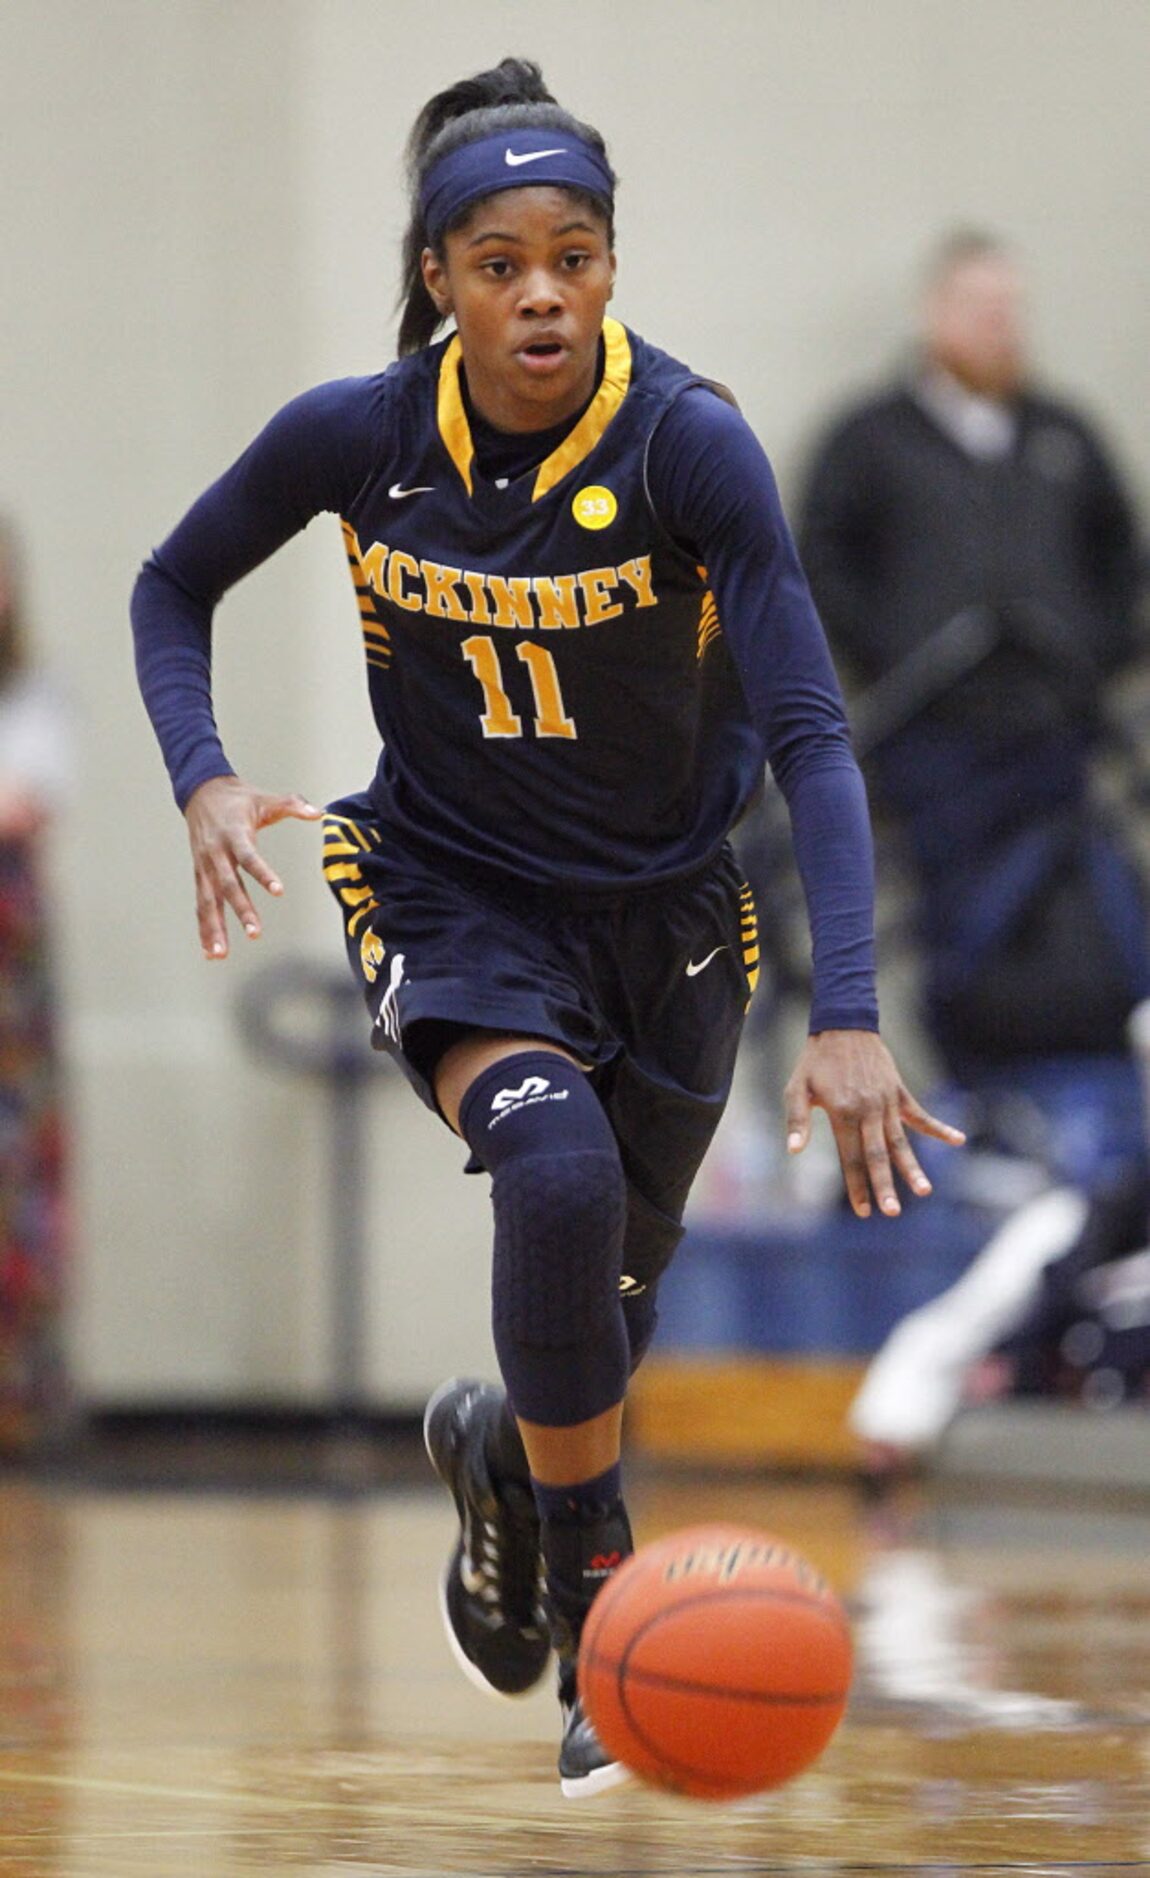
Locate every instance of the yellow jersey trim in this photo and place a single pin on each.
(455, 430)
(450, 414)
(595, 419)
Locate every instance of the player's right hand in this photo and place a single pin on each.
(224, 816)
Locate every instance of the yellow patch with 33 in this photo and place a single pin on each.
(594, 507)
(371, 955)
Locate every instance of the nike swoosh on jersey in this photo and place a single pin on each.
(397, 491)
(693, 970)
(531, 156)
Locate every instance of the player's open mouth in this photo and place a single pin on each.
(542, 353)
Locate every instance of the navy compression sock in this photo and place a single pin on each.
(584, 1536)
(581, 1503)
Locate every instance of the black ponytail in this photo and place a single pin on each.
(511, 96)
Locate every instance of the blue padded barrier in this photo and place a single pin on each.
(831, 1285)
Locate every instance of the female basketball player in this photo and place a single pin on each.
(585, 630)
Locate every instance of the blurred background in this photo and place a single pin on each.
(201, 204)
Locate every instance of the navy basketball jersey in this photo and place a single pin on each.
(545, 666)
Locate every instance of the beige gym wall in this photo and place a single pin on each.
(201, 206)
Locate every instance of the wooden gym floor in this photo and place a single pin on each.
(211, 1684)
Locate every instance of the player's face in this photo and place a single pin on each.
(527, 280)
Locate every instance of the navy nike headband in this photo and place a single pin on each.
(509, 161)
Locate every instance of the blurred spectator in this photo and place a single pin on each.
(975, 559)
(1057, 1304)
(935, 1358)
(34, 763)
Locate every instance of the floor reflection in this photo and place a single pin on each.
(220, 1686)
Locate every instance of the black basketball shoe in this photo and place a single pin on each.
(580, 1558)
(585, 1767)
(490, 1593)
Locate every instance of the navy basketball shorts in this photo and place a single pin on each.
(647, 991)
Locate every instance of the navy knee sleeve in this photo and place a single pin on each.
(560, 1204)
(649, 1243)
(648, 1247)
(640, 1320)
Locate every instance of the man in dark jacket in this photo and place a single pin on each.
(976, 563)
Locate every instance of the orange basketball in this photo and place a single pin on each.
(716, 1662)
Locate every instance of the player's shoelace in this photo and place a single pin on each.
(501, 1554)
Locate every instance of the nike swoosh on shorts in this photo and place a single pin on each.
(397, 491)
(693, 969)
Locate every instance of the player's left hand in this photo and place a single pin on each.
(852, 1075)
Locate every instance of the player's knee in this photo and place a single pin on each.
(557, 1317)
(559, 1198)
(558, 1245)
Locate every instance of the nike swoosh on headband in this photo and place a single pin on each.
(531, 156)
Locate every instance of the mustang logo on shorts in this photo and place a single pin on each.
(370, 955)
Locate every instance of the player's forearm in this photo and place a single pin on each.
(172, 634)
(834, 852)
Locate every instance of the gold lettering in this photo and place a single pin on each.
(399, 565)
(512, 600)
(477, 592)
(637, 574)
(371, 566)
(442, 601)
(557, 599)
(517, 602)
(598, 584)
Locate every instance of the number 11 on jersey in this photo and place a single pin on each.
(498, 719)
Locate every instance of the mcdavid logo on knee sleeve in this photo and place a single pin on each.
(531, 1089)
